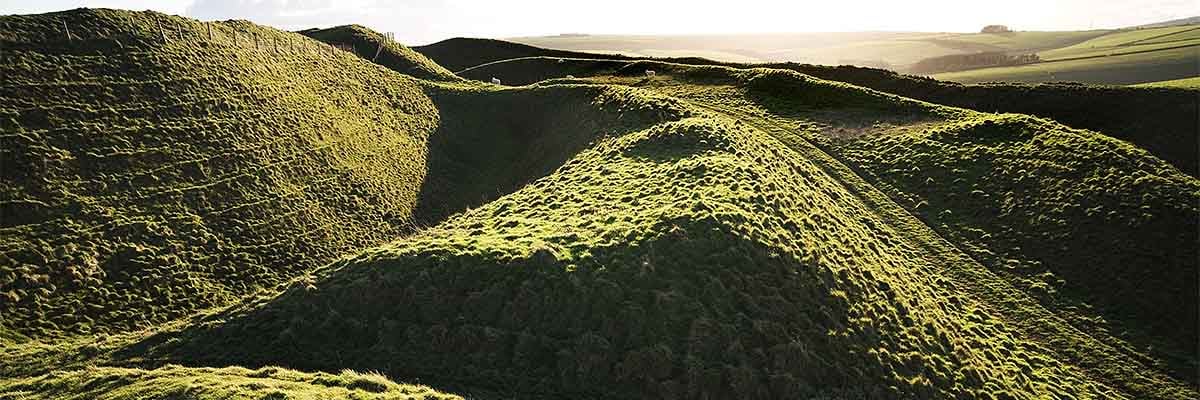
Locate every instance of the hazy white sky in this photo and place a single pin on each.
(424, 21)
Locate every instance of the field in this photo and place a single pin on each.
(893, 49)
(1118, 69)
(222, 210)
(1188, 83)
(1136, 41)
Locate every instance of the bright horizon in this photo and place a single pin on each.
(427, 21)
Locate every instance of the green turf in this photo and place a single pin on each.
(374, 46)
(895, 49)
(709, 232)
(1119, 69)
(145, 179)
(1160, 120)
(1124, 42)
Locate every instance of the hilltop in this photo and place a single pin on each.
(458, 54)
(253, 213)
(373, 46)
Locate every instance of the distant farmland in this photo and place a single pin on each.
(1094, 56)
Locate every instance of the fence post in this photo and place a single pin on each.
(377, 51)
(209, 25)
(67, 29)
(161, 32)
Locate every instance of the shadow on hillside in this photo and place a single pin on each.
(488, 322)
(489, 144)
(1132, 280)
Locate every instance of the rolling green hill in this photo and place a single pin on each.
(1118, 69)
(1119, 57)
(1160, 120)
(461, 53)
(1136, 41)
(374, 46)
(186, 173)
(249, 213)
(1115, 57)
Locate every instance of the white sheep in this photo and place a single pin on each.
(649, 73)
(495, 81)
(570, 76)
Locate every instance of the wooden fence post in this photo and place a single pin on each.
(209, 25)
(377, 51)
(161, 32)
(67, 30)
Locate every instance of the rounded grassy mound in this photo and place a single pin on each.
(695, 258)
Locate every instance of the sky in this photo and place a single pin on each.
(426, 21)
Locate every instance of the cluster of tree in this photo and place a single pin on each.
(995, 29)
(958, 62)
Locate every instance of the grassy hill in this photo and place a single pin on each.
(374, 46)
(252, 214)
(1115, 57)
(461, 53)
(947, 184)
(1136, 41)
(146, 178)
(1160, 120)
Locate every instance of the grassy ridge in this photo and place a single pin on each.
(373, 46)
(163, 176)
(1040, 204)
(1160, 120)
(458, 54)
(703, 234)
(696, 257)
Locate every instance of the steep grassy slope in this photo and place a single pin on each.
(695, 258)
(373, 46)
(702, 234)
(1096, 230)
(1161, 120)
(458, 54)
(145, 178)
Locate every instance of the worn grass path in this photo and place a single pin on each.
(1120, 369)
